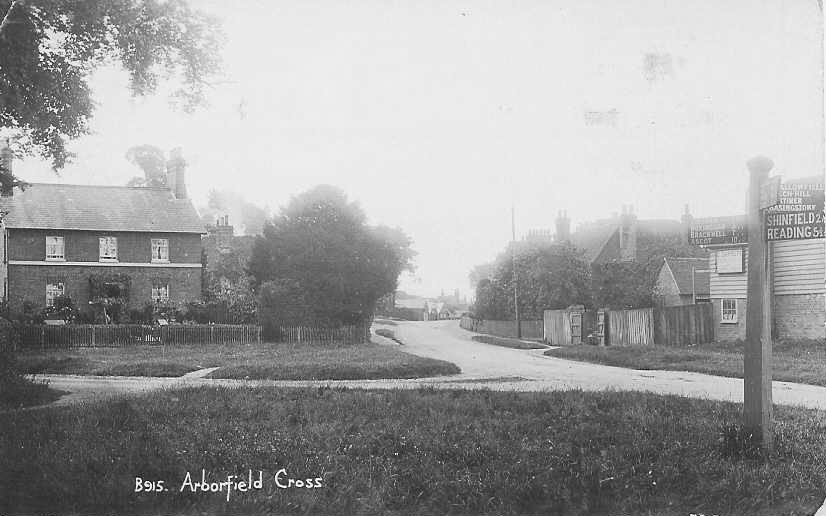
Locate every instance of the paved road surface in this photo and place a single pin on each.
(483, 366)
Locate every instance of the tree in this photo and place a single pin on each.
(550, 276)
(319, 262)
(48, 49)
(152, 161)
(249, 218)
(627, 285)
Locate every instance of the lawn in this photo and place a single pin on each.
(409, 453)
(265, 361)
(798, 361)
(508, 342)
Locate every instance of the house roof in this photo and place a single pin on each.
(99, 208)
(591, 238)
(681, 269)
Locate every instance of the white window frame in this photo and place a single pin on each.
(104, 243)
(723, 310)
(157, 290)
(54, 257)
(54, 289)
(162, 245)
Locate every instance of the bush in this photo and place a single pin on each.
(63, 308)
(15, 389)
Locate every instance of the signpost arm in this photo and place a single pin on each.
(757, 394)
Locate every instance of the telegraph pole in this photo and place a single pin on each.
(515, 276)
(757, 385)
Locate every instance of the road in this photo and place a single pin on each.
(483, 366)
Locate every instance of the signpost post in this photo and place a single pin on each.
(757, 393)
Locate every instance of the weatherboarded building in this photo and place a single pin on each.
(796, 271)
(139, 245)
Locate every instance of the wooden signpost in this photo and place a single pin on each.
(757, 393)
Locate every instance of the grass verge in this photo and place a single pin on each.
(792, 361)
(265, 361)
(508, 342)
(410, 452)
(17, 391)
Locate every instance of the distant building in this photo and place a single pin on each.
(144, 244)
(682, 281)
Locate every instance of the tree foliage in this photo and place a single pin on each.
(48, 49)
(152, 161)
(247, 217)
(549, 276)
(319, 262)
(627, 285)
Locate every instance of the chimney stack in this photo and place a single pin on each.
(7, 174)
(175, 170)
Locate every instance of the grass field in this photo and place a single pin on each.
(800, 361)
(410, 453)
(265, 361)
(507, 342)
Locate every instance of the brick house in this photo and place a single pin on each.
(682, 281)
(142, 244)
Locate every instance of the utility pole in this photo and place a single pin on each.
(515, 275)
(757, 385)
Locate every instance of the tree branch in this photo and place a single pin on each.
(6, 20)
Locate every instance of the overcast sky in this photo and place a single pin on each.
(436, 115)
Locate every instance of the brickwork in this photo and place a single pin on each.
(28, 283)
(82, 246)
(727, 332)
(800, 316)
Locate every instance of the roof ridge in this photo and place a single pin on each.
(76, 185)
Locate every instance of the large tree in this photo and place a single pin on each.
(48, 49)
(152, 161)
(319, 262)
(549, 276)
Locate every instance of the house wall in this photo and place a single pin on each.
(28, 283)
(727, 332)
(28, 272)
(82, 246)
(798, 276)
(799, 281)
(666, 292)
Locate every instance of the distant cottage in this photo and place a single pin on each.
(140, 245)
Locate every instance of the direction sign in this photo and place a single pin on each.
(770, 193)
(798, 215)
(718, 231)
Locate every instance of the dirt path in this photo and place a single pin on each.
(483, 366)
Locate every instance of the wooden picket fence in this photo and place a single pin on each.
(530, 329)
(122, 335)
(687, 325)
(353, 334)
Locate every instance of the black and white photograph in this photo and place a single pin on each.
(412, 258)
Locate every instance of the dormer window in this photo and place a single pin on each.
(160, 250)
(55, 250)
(108, 247)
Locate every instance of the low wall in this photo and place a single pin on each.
(530, 329)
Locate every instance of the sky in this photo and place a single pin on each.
(438, 116)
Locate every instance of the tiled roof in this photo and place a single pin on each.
(681, 270)
(101, 208)
(592, 238)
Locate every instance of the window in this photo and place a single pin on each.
(108, 249)
(160, 293)
(54, 289)
(729, 311)
(54, 248)
(160, 250)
